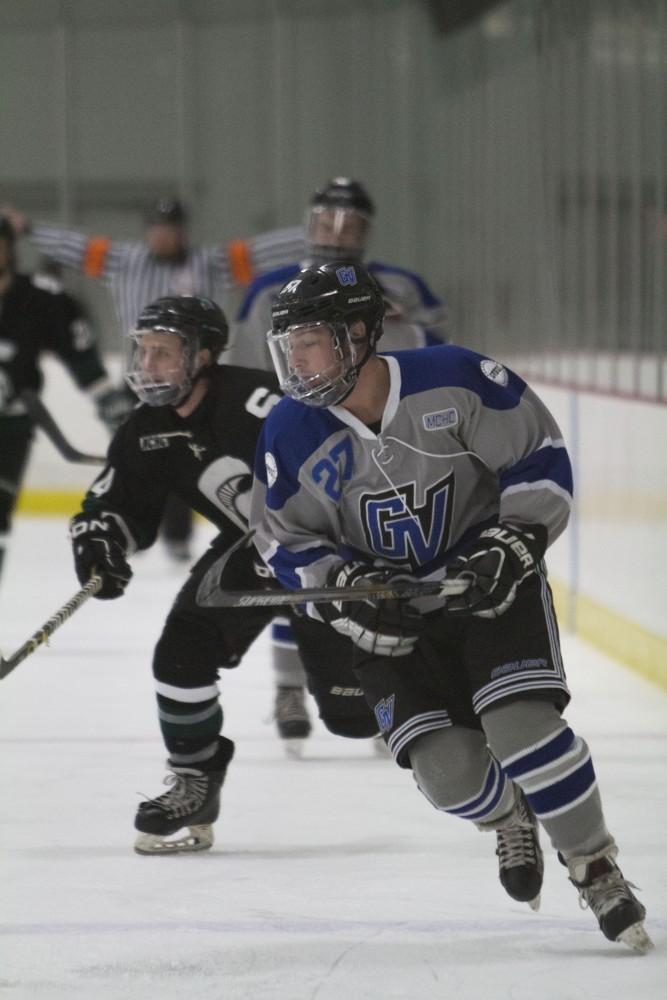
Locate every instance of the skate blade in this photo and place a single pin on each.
(200, 838)
(636, 938)
(294, 748)
(534, 904)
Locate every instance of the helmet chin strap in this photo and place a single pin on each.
(203, 370)
(355, 372)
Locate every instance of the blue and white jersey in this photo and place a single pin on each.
(463, 442)
(415, 316)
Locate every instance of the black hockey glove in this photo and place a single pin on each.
(113, 407)
(100, 546)
(495, 563)
(385, 627)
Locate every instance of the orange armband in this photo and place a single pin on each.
(95, 255)
(240, 266)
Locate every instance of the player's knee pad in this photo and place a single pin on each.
(456, 773)
(344, 710)
(191, 645)
(513, 726)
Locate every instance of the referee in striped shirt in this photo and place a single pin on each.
(164, 263)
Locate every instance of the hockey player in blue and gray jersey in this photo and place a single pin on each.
(338, 224)
(437, 464)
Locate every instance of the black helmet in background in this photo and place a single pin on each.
(338, 222)
(166, 211)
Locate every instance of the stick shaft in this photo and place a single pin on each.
(49, 627)
(324, 595)
(40, 414)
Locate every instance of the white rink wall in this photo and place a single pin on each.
(615, 551)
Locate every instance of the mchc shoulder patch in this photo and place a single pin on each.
(440, 419)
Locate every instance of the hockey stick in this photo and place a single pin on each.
(400, 589)
(48, 628)
(43, 419)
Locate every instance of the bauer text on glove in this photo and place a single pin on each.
(494, 564)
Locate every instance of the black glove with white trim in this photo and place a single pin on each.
(495, 563)
(100, 547)
(385, 627)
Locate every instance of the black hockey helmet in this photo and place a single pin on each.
(329, 299)
(199, 322)
(188, 316)
(342, 192)
(166, 211)
(338, 222)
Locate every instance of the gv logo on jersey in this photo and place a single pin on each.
(384, 713)
(398, 528)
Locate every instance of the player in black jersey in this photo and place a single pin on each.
(34, 321)
(195, 436)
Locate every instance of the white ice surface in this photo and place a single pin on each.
(331, 878)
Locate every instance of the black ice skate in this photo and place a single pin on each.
(292, 719)
(520, 858)
(193, 800)
(603, 889)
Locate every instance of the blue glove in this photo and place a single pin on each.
(389, 627)
(494, 564)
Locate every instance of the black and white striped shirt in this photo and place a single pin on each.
(136, 277)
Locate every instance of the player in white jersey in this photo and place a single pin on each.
(338, 223)
(437, 464)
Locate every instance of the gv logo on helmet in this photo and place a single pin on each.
(346, 275)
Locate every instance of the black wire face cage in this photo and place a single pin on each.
(168, 386)
(305, 373)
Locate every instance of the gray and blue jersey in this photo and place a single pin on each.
(415, 316)
(463, 442)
